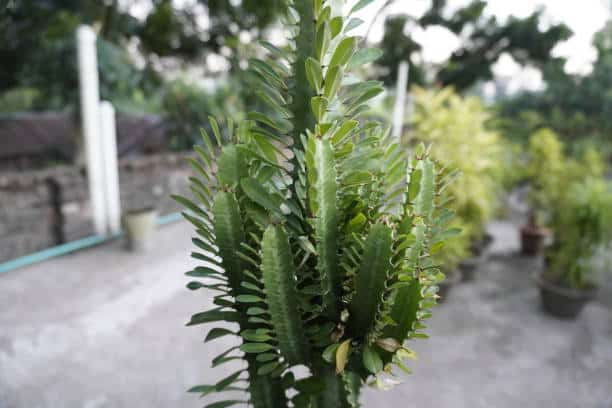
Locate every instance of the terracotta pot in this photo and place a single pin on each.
(561, 301)
(444, 287)
(139, 227)
(533, 240)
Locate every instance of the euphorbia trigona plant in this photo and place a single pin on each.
(315, 229)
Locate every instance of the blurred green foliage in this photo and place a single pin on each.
(583, 225)
(457, 128)
(550, 170)
(187, 109)
(577, 107)
(39, 69)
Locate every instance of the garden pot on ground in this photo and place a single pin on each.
(562, 301)
(444, 287)
(533, 240)
(139, 226)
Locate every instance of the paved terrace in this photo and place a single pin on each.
(104, 328)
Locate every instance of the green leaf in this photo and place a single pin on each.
(281, 125)
(190, 205)
(195, 285)
(322, 40)
(364, 56)
(314, 74)
(256, 347)
(224, 404)
(343, 51)
(329, 354)
(371, 360)
(203, 272)
(370, 281)
(215, 128)
(319, 107)
(356, 223)
(248, 299)
(344, 130)
(256, 311)
(279, 281)
(202, 389)
(364, 97)
(267, 72)
(335, 26)
(359, 5)
(333, 79)
(216, 333)
(224, 357)
(255, 335)
(258, 194)
(264, 357)
(268, 368)
(404, 311)
(213, 316)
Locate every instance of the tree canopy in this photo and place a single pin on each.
(484, 40)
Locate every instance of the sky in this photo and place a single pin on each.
(584, 17)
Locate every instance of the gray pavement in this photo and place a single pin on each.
(104, 328)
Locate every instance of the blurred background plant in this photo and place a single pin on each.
(550, 171)
(583, 226)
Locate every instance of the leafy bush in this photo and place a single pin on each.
(457, 127)
(18, 100)
(186, 108)
(583, 225)
(550, 172)
(315, 230)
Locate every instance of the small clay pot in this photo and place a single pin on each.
(444, 287)
(533, 240)
(561, 301)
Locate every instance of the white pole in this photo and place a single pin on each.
(110, 168)
(400, 100)
(90, 116)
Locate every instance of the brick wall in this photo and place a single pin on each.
(42, 208)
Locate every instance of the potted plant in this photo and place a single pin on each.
(549, 172)
(302, 236)
(546, 167)
(584, 224)
(139, 227)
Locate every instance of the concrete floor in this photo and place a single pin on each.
(104, 328)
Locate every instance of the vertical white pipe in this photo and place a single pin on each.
(90, 100)
(400, 100)
(111, 172)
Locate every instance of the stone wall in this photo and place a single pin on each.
(43, 208)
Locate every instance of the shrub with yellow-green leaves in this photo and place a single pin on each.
(551, 173)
